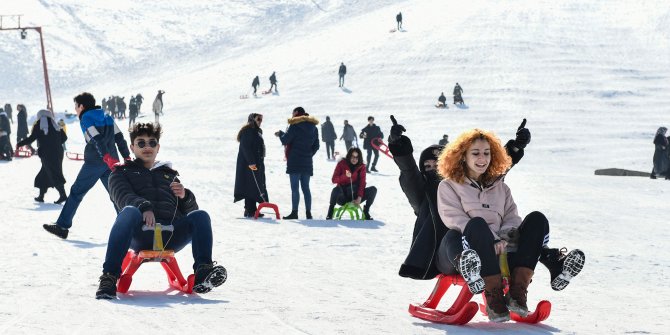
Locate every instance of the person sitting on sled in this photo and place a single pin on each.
(442, 100)
(146, 192)
(349, 175)
(477, 206)
(420, 183)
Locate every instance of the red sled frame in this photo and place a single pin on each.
(379, 144)
(463, 310)
(267, 205)
(133, 261)
(23, 152)
(74, 156)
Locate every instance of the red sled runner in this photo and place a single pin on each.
(463, 310)
(74, 156)
(379, 144)
(133, 261)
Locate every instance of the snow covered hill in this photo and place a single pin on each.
(592, 78)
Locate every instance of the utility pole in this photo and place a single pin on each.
(16, 25)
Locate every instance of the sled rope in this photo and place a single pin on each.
(258, 187)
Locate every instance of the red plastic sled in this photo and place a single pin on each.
(463, 310)
(133, 261)
(267, 205)
(74, 156)
(379, 144)
(23, 152)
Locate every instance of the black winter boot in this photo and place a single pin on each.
(292, 216)
(107, 287)
(329, 216)
(308, 214)
(56, 230)
(63, 196)
(562, 267)
(209, 276)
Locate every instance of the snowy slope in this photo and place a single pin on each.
(592, 78)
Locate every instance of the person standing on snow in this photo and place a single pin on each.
(50, 140)
(661, 154)
(273, 82)
(348, 135)
(146, 192)
(458, 94)
(329, 136)
(342, 71)
(302, 142)
(368, 134)
(398, 19)
(255, 83)
(103, 137)
(22, 125)
(6, 152)
(250, 171)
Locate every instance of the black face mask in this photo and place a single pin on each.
(431, 175)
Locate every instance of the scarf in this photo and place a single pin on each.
(45, 116)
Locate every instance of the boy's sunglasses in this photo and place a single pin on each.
(141, 143)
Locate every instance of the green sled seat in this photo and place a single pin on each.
(355, 211)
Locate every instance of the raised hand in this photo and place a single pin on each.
(396, 130)
(522, 135)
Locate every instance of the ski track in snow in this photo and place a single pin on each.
(590, 77)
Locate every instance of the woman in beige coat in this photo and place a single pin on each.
(478, 208)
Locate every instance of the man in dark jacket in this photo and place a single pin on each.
(342, 71)
(103, 137)
(301, 142)
(133, 112)
(419, 183)
(398, 19)
(8, 110)
(6, 152)
(369, 133)
(329, 136)
(273, 82)
(250, 171)
(255, 83)
(147, 192)
(348, 135)
(442, 101)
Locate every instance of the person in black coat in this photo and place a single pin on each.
(250, 171)
(458, 94)
(398, 19)
(22, 125)
(273, 82)
(6, 152)
(329, 136)
(301, 142)
(255, 83)
(661, 156)
(8, 110)
(442, 100)
(50, 138)
(147, 192)
(342, 71)
(369, 133)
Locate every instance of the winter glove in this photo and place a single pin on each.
(513, 152)
(396, 130)
(110, 161)
(279, 133)
(522, 135)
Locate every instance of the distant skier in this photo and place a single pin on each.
(442, 101)
(342, 72)
(661, 157)
(348, 135)
(444, 141)
(458, 91)
(398, 19)
(158, 104)
(329, 136)
(255, 83)
(273, 82)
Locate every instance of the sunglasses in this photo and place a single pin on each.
(259, 119)
(354, 156)
(142, 143)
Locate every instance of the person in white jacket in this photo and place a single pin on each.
(477, 206)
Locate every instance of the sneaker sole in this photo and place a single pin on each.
(470, 266)
(214, 279)
(572, 265)
(493, 317)
(105, 296)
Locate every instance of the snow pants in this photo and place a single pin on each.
(127, 233)
(533, 235)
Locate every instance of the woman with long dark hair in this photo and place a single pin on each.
(250, 172)
(349, 175)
